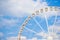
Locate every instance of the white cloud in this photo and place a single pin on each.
(44, 35)
(18, 7)
(22, 38)
(8, 23)
(16, 38)
(1, 34)
(12, 38)
(34, 38)
(25, 7)
(53, 30)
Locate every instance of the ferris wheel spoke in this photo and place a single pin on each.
(54, 22)
(55, 19)
(47, 23)
(30, 30)
(38, 24)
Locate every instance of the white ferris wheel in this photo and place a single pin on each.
(49, 35)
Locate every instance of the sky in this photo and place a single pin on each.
(13, 13)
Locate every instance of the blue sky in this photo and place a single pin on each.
(14, 12)
(53, 2)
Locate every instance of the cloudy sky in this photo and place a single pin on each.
(13, 13)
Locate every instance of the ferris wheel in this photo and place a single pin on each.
(42, 11)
